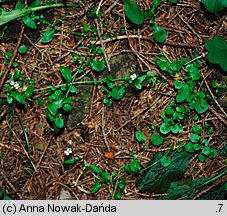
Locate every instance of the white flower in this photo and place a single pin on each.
(11, 82)
(68, 151)
(70, 142)
(133, 76)
(16, 85)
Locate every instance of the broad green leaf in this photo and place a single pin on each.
(176, 65)
(134, 165)
(201, 158)
(169, 110)
(35, 3)
(96, 187)
(178, 84)
(28, 21)
(214, 6)
(47, 36)
(156, 139)
(19, 5)
(66, 73)
(98, 65)
(206, 150)
(133, 12)
(23, 49)
(72, 89)
(157, 178)
(140, 136)
(6, 17)
(217, 51)
(95, 169)
(159, 33)
(18, 97)
(117, 92)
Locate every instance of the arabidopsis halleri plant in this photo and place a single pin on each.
(133, 76)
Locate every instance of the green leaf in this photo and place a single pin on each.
(201, 158)
(174, 1)
(95, 169)
(159, 33)
(169, 110)
(66, 73)
(71, 161)
(121, 184)
(178, 84)
(206, 150)
(164, 128)
(52, 108)
(96, 187)
(157, 178)
(165, 161)
(189, 147)
(67, 107)
(18, 97)
(118, 194)
(214, 6)
(176, 65)
(105, 177)
(194, 138)
(156, 139)
(175, 129)
(140, 136)
(47, 36)
(6, 198)
(59, 122)
(28, 21)
(72, 89)
(183, 93)
(117, 92)
(23, 49)
(29, 91)
(133, 12)
(1, 192)
(134, 165)
(217, 51)
(98, 65)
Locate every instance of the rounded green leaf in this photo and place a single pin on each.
(189, 147)
(67, 107)
(164, 128)
(176, 65)
(98, 65)
(71, 161)
(28, 21)
(175, 129)
(156, 139)
(134, 165)
(118, 194)
(140, 136)
(47, 36)
(206, 150)
(18, 97)
(59, 122)
(96, 187)
(194, 138)
(201, 158)
(165, 161)
(72, 89)
(159, 33)
(23, 49)
(169, 110)
(117, 92)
